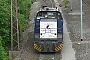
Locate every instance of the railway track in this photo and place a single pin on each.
(49, 3)
(86, 3)
(49, 56)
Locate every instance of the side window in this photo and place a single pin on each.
(39, 14)
(58, 16)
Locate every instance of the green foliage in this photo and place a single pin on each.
(4, 28)
(66, 3)
(3, 53)
(22, 22)
(24, 7)
(5, 40)
(24, 12)
(5, 22)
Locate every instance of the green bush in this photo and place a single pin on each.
(3, 53)
(24, 12)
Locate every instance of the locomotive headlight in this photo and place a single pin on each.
(37, 36)
(59, 35)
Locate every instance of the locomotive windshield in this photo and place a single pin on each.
(48, 14)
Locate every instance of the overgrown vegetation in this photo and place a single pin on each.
(66, 2)
(24, 11)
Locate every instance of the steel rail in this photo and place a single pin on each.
(86, 3)
(47, 56)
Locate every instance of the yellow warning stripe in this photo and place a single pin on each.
(57, 48)
(39, 48)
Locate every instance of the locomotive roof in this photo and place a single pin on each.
(49, 9)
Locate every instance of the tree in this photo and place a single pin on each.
(5, 40)
(5, 22)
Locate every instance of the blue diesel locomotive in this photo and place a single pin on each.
(48, 30)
